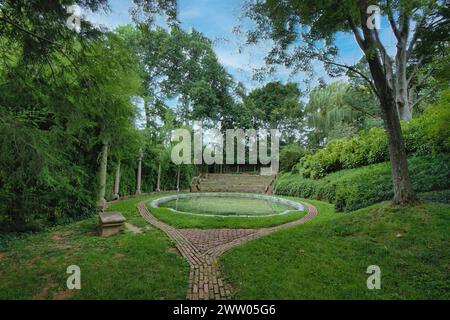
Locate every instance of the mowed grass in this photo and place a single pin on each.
(227, 206)
(125, 266)
(328, 257)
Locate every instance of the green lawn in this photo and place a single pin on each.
(324, 259)
(227, 206)
(327, 258)
(126, 266)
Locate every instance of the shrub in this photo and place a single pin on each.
(436, 196)
(289, 156)
(428, 134)
(352, 189)
(367, 148)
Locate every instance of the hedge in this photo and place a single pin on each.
(353, 189)
(442, 196)
(426, 135)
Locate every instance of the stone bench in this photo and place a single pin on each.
(110, 223)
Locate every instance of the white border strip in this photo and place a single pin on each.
(296, 205)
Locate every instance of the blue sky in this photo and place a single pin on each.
(216, 19)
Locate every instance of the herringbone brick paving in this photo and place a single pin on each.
(202, 248)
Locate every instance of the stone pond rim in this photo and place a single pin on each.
(295, 205)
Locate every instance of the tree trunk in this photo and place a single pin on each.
(382, 76)
(158, 181)
(117, 183)
(403, 192)
(403, 101)
(101, 204)
(148, 113)
(178, 179)
(139, 176)
(401, 84)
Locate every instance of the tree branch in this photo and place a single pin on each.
(391, 20)
(384, 55)
(404, 25)
(425, 77)
(416, 67)
(30, 33)
(378, 70)
(417, 101)
(354, 70)
(51, 68)
(415, 37)
(359, 38)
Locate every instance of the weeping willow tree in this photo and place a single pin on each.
(339, 110)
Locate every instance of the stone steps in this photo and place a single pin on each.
(234, 183)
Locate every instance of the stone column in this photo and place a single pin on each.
(116, 195)
(139, 173)
(158, 181)
(101, 204)
(178, 179)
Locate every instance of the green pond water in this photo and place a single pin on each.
(227, 206)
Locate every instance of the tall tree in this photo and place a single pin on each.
(182, 65)
(61, 99)
(312, 26)
(275, 106)
(339, 110)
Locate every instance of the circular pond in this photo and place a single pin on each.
(220, 204)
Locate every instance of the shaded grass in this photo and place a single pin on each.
(327, 258)
(125, 266)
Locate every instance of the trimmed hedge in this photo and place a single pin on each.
(353, 189)
(442, 196)
(426, 135)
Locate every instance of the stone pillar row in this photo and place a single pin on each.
(101, 203)
(139, 174)
(102, 176)
(116, 195)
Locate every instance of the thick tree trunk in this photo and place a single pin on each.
(382, 75)
(403, 192)
(102, 177)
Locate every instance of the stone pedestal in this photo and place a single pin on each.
(110, 223)
(101, 204)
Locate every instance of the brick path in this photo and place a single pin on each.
(203, 247)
